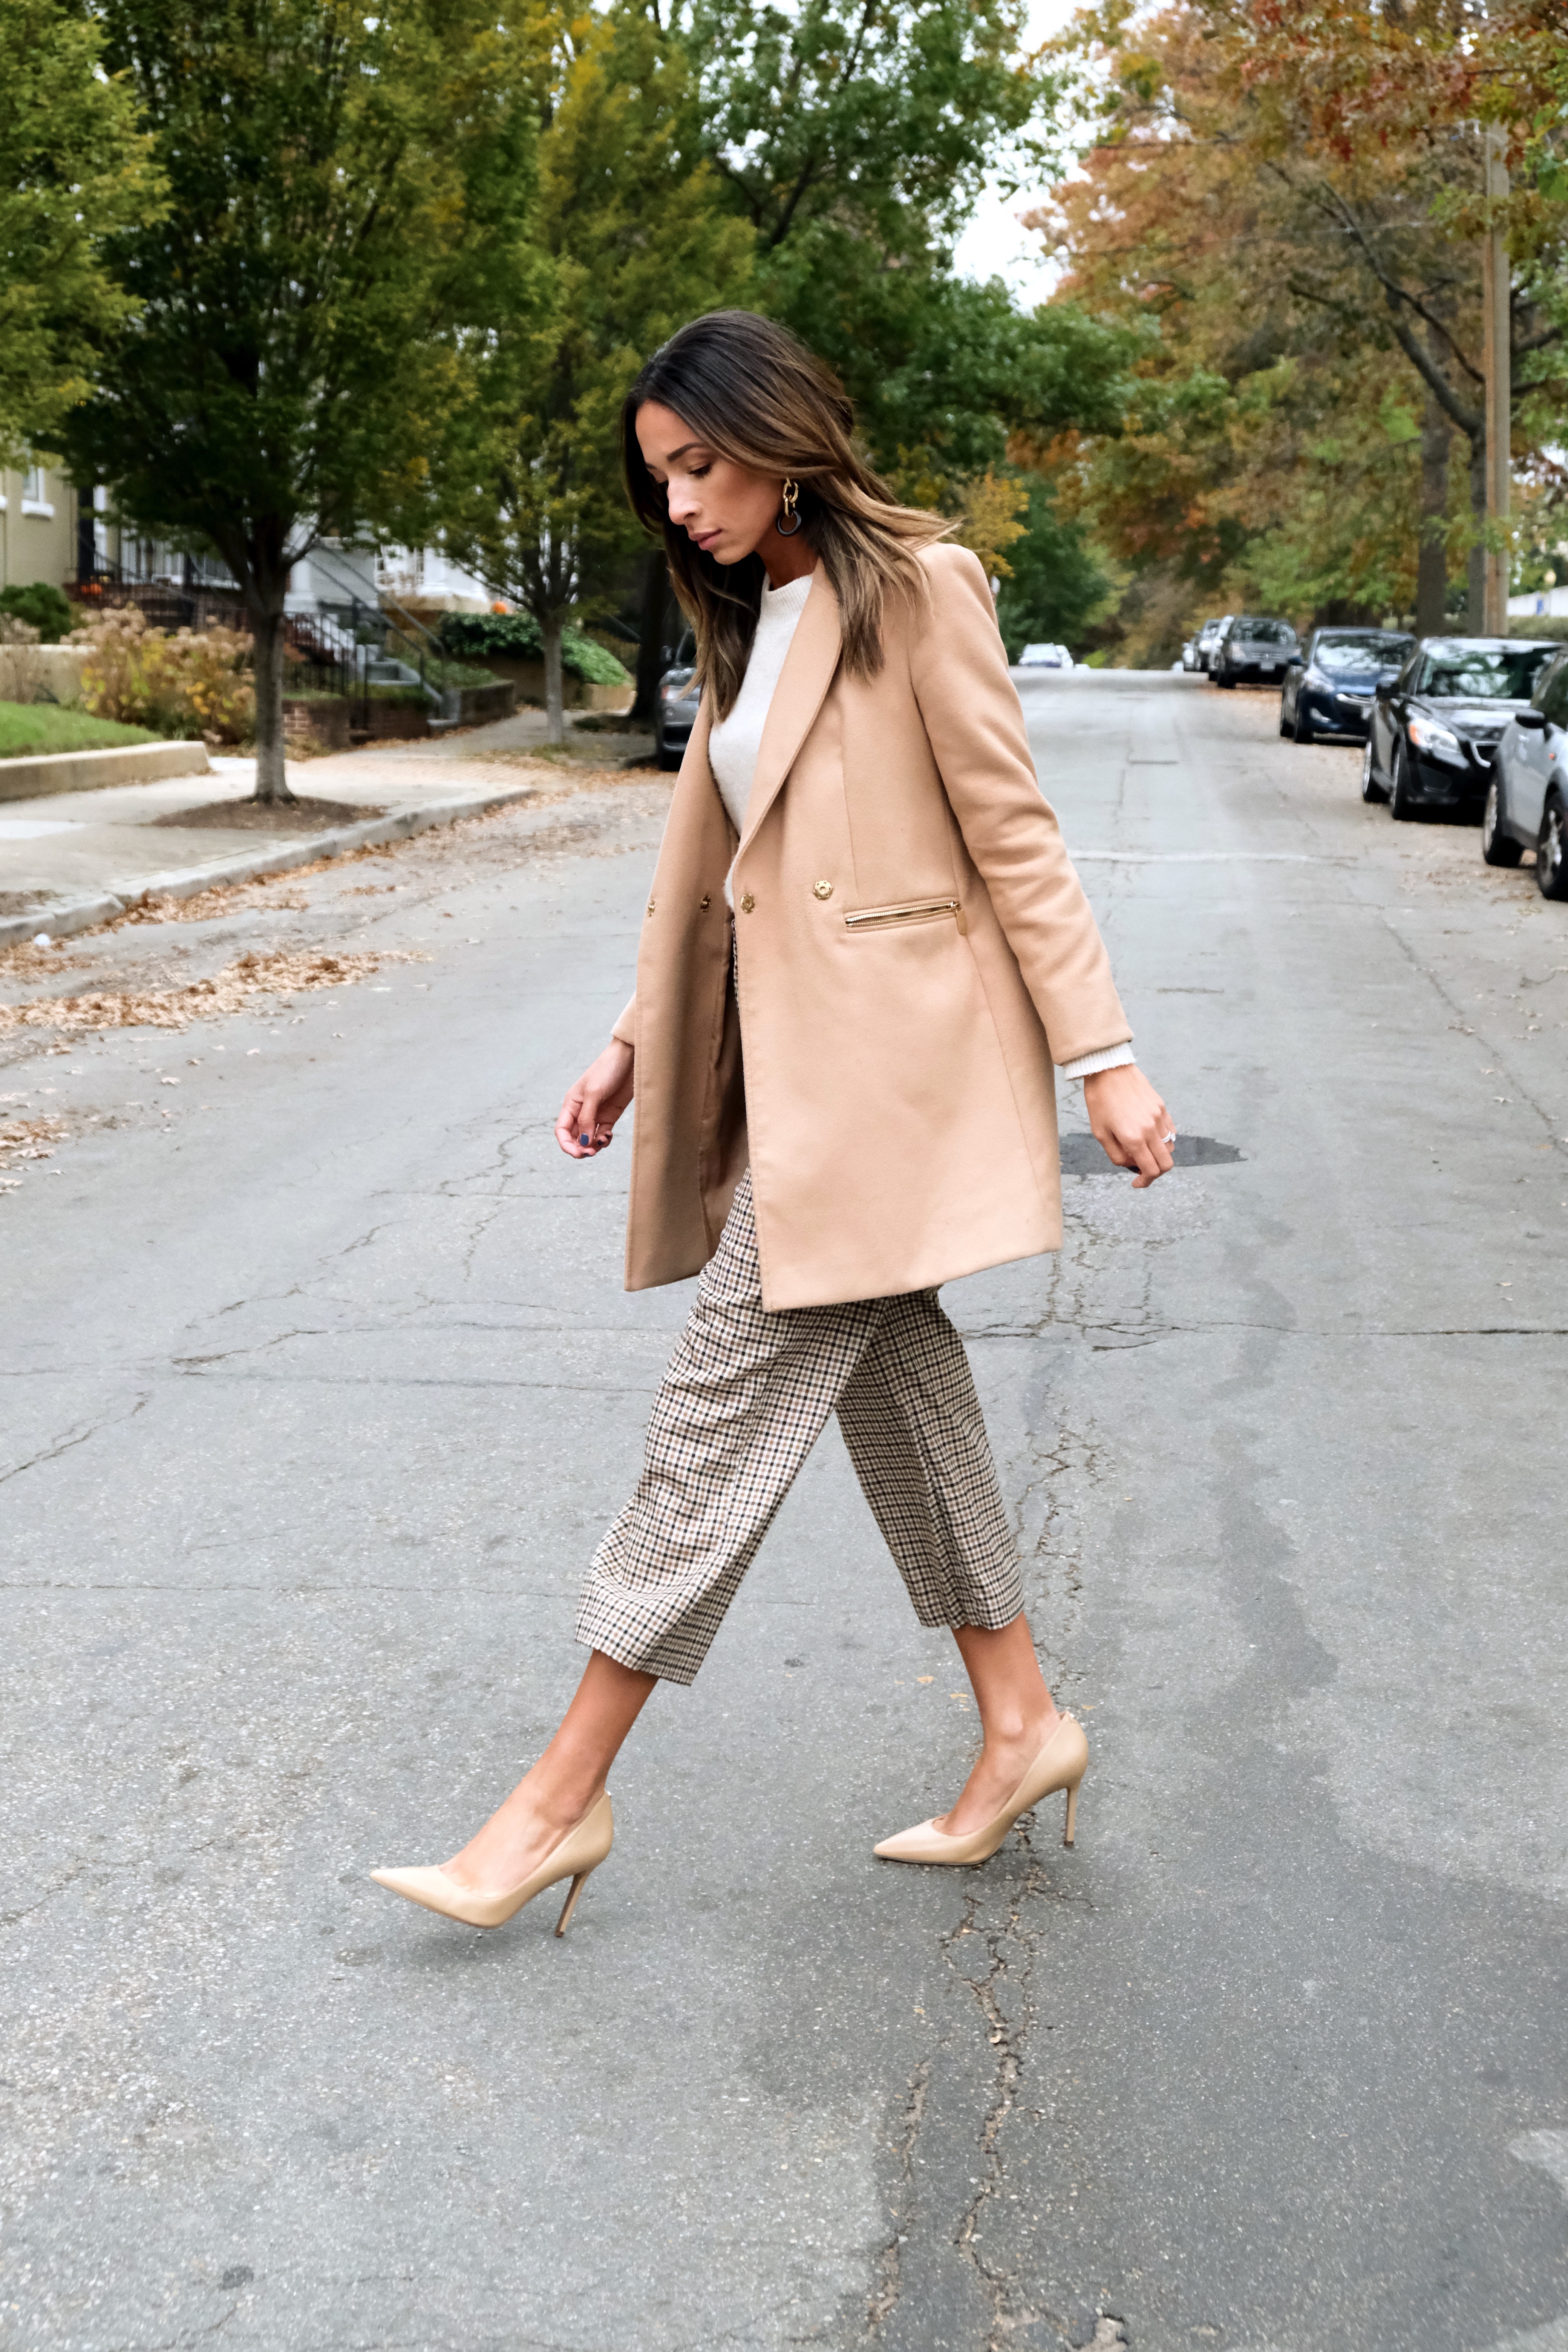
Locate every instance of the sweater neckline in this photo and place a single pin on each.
(790, 598)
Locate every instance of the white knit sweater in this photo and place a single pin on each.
(735, 743)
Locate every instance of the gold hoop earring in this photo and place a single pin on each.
(789, 522)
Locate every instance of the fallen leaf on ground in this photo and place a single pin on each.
(252, 974)
(29, 1139)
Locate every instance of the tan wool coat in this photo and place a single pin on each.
(915, 950)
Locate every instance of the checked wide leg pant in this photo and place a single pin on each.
(743, 1401)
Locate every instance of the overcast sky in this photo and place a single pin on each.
(994, 246)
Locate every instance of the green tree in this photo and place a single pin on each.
(1054, 579)
(635, 242)
(348, 200)
(76, 167)
(855, 143)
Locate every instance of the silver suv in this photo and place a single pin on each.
(1251, 648)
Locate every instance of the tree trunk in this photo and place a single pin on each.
(549, 626)
(1476, 597)
(1432, 564)
(266, 628)
(650, 647)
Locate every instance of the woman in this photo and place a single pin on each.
(863, 951)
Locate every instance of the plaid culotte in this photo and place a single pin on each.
(743, 1402)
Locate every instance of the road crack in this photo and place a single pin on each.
(1008, 2015)
(889, 2265)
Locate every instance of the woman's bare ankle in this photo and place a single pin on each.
(523, 1829)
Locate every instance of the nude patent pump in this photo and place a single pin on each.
(1060, 1764)
(582, 1850)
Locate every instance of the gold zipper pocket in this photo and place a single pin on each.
(916, 910)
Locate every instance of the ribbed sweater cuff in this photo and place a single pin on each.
(1110, 1058)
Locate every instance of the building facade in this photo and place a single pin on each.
(39, 516)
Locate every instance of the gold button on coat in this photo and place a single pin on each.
(650, 906)
(704, 903)
(747, 903)
(821, 890)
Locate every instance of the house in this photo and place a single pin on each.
(39, 519)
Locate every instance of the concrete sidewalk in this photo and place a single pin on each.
(70, 860)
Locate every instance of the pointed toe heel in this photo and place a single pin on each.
(577, 1856)
(1060, 1764)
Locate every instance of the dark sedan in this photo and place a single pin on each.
(1436, 728)
(675, 712)
(1329, 693)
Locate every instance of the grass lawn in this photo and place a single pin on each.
(28, 729)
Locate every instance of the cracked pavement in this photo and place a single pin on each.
(318, 1388)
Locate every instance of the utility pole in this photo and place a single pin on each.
(1495, 288)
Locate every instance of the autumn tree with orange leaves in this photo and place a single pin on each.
(1288, 200)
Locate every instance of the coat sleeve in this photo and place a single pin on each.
(958, 666)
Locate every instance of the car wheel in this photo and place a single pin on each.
(1371, 790)
(1497, 847)
(1551, 852)
(1303, 726)
(1225, 681)
(1400, 806)
(1285, 729)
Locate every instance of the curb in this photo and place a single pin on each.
(185, 882)
(38, 775)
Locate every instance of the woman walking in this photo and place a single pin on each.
(864, 950)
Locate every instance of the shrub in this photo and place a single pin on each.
(514, 637)
(42, 606)
(193, 683)
(25, 671)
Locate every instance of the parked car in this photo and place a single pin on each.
(1329, 691)
(1436, 726)
(1252, 647)
(675, 710)
(1045, 658)
(1207, 638)
(1527, 799)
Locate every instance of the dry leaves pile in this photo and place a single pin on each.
(224, 898)
(27, 1139)
(278, 974)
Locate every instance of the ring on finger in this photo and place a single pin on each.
(1169, 1138)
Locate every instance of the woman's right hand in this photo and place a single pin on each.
(587, 1123)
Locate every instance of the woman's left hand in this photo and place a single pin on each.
(1130, 1122)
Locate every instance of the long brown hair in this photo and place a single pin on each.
(759, 398)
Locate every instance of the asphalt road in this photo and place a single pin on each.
(319, 1385)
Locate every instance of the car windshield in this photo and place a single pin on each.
(1485, 673)
(1362, 655)
(1267, 633)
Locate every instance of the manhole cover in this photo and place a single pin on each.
(1082, 1156)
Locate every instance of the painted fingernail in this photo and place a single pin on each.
(584, 1139)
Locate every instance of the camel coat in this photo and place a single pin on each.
(913, 951)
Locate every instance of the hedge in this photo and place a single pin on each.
(514, 637)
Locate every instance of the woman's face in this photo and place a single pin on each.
(723, 508)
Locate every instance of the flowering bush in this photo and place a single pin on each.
(191, 683)
(21, 672)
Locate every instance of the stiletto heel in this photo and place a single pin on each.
(1060, 1764)
(581, 1851)
(570, 1904)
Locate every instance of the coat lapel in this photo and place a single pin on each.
(807, 674)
